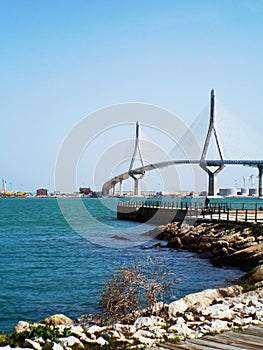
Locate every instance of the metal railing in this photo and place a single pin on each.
(246, 212)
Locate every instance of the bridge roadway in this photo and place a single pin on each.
(110, 184)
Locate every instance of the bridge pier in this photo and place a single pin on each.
(212, 181)
(212, 187)
(121, 191)
(137, 186)
(260, 173)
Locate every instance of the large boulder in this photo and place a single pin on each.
(22, 326)
(58, 320)
(195, 301)
(245, 258)
(253, 276)
(201, 300)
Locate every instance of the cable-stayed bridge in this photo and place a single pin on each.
(208, 165)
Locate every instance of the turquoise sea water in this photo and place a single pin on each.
(47, 268)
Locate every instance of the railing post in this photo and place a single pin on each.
(246, 215)
(227, 217)
(256, 212)
(236, 214)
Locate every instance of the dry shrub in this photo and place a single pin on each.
(134, 288)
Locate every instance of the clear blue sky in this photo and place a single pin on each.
(61, 60)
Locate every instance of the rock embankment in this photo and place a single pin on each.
(225, 244)
(211, 311)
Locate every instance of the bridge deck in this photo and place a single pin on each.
(249, 339)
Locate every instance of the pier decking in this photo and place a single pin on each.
(249, 339)
(161, 212)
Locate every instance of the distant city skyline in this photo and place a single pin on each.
(61, 61)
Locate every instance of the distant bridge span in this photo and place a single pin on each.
(110, 184)
(138, 173)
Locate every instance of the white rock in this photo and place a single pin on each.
(256, 322)
(238, 321)
(21, 327)
(149, 321)
(189, 316)
(259, 315)
(113, 334)
(181, 328)
(101, 341)
(158, 307)
(29, 343)
(215, 326)
(54, 346)
(158, 331)
(197, 301)
(159, 334)
(247, 320)
(177, 307)
(40, 340)
(249, 311)
(76, 329)
(237, 307)
(71, 341)
(58, 319)
(147, 341)
(219, 311)
(95, 329)
(80, 333)
(125, 328)
(143, 333)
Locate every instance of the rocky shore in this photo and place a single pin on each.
(211, 311)
(225, 244)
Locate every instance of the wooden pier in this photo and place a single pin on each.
(167, 211)
(248, 339)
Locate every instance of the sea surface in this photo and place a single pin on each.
(46, 267)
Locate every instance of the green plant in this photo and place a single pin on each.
(4, 339)
(249, 287)
(66, 332)
(48, 331)
(173, 341)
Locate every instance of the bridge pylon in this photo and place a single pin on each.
(212, 175)
(260, 182)
(137, 175)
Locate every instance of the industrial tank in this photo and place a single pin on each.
(244, 191)
(253, 192)
(228, 192)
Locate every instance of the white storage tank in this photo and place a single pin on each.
(230, 192)
(244, 191)
(222, 192)
(253, 192)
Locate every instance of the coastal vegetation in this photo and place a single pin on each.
(134, 288)
(46, 331)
